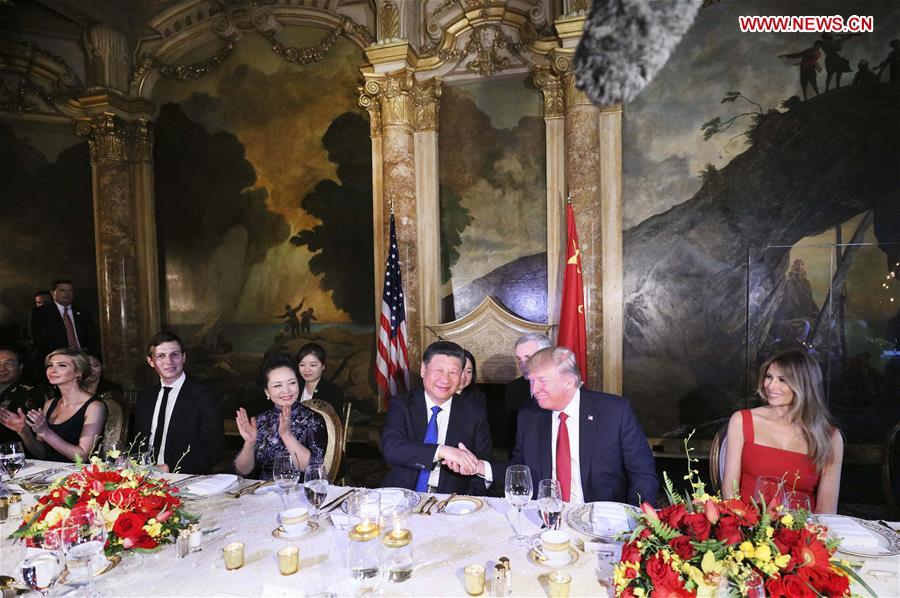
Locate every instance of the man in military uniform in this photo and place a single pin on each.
(15, 394)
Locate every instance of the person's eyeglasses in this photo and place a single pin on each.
(10, 363)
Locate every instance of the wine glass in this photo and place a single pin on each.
(41, 571)
(284, 473)
(115, 454)
(518, 488)
(84, 538)
(799, 505)
(315, 484)
(733, 587)
(770, 490)
(550, 503)
(12, 458)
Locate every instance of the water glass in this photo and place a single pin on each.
(284, 473)
(12, 458)
(770, 490)
(83, 539)
(115, 454)
(518, 489)
(41, 571)
(550, 503)
(315, 484)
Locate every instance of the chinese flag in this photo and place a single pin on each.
(572, 330)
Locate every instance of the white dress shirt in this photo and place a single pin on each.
(576, 492)
(62, 311)
(443, 419)
(170, 406)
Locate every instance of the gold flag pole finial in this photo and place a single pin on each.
(569, 198)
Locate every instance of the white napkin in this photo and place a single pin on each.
(608, 518)
(851, 533)
(211, 485)
(340, 520)
(391, 497)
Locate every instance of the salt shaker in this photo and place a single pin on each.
(505, 562)
(196, 537)
(183, 543)
(498, 587)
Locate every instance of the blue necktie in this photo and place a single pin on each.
(431, 437)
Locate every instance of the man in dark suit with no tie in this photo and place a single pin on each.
(590, 441)
(427, 433)
(180, 418)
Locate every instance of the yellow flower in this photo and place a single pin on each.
(56, 515)
(763, 553)
(110, 514)
(747, 549)
(709, 564)
(639, 592)
(787, 520)
(113, 454)
(771, 532)
(782, 560)
(153, 527)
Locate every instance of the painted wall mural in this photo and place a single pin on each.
(264, 191)
(736, 192)
(46, 174)
(493, 198)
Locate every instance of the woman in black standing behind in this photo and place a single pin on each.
(311, 363)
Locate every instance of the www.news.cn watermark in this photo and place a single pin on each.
(807, 24)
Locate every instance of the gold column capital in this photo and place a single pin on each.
(394, 93)
(427, 98)
(574, 96)
(368, 100)
(113, 139)
(552, 90)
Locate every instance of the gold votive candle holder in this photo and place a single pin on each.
(474, 579)
(234, 555)
(559, 584)
(288, 560)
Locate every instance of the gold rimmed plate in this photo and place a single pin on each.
(281, 533)
(463, 505)
(111, 563)
(540, 561)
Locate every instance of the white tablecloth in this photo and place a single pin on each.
(443, 544)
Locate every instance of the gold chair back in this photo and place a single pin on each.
(334, 452)
(717, 459)
(116, 427)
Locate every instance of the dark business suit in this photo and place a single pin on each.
(616, 461)
(406, 453)
(196, 423)
(517, 394)
(48, 332)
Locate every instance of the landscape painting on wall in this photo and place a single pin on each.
(756, 220)
(493, 198)
(264, 194)
(45, 170)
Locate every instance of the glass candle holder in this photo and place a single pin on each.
(559, 584)
(364, 510)
(288, 560)
(474, 579)
(234, 555)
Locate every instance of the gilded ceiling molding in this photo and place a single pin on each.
(33, 81)
(390, 21)
(194, 24)
(427, 97)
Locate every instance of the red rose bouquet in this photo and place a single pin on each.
(703, 545)
(141, 512)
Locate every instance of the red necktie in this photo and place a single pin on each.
(563, 458)
(70, 329)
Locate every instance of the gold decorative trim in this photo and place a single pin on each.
(302, 56)
(551, 88)
(182, 72)
(112, 139)
(368, 100)
(396, 98)
(390, 21)
(42, 76)
(427, 97)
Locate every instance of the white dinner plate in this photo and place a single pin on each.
(579, 519)
(886, 542)
(182, 486)
(462, 505)
(407, 502)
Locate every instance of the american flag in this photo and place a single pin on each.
(392, 362)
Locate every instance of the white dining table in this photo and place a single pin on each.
(443, 545)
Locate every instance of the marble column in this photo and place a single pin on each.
(125, 238)
(583, 181)
(555, 130)
(427, 96)
(394, 93)
(368, 100)
(610, 138)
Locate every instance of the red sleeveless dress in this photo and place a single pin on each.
(797, 469)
